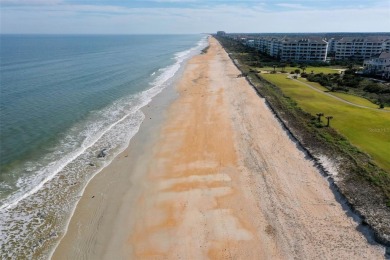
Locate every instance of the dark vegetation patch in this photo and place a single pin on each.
(376, 92)
(204, 51)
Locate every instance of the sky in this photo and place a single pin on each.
(192, 16)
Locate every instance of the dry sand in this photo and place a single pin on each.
(220, 180)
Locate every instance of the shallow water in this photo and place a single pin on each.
(63, 100)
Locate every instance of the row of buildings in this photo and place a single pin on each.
(373, 49)
(291, 48)
(316, 48)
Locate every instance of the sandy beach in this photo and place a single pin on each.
(215, 176)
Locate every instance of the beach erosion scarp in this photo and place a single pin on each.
(215, 177)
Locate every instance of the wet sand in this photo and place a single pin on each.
(215, 178)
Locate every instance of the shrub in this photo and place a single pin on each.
(350, 72)
(373, 88)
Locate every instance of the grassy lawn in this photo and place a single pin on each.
(350, 98)
(325, 70)
(367, 129)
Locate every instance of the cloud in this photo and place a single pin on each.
(174, 1)
(30, 2)
(111, 19)
(292, 6)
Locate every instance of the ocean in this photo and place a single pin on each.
(63, 100)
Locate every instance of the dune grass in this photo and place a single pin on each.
(367, 129)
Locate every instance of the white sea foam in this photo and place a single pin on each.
(40, 188)
(92, 133)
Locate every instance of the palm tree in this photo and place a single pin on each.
(303, 67)
(329, 118)
(283, 66)
(319, 115)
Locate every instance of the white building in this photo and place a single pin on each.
(361, 48)
(378, 65)
(293, 48)
(304, 49)
(315, 48)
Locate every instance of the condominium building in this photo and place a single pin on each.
(311, 48)
(304, 49)
(331, 45)
(293, 48)
(361, 48)
(378, 65)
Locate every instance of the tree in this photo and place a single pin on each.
(283, 66)
(319, 115)
(373, 88)
(329, 118)
(297, 71)
(303, 67)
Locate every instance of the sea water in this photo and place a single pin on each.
(63, 99)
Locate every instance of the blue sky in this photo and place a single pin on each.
(192, 16)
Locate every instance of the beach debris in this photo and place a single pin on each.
(93, 197)
(103, 153)
(241, 75)
(91, 164)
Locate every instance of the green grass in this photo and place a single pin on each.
(325, 70)
(367, 129)
(350, 98)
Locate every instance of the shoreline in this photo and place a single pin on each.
(151, 125)
(33, 227)
(220, 175)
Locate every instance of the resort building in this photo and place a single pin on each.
(331, 45)
(316, 47)
(378, 65)
(361, 48)
(304, 49)
(293, 48)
